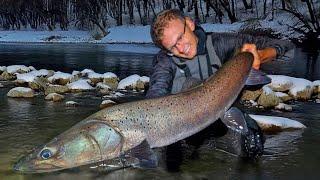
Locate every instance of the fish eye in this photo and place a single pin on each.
(45, 154)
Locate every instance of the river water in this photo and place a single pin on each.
(27, 123)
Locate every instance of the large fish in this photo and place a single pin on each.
(113, 131)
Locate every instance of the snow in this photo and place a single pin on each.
(59, 75)
(26, 77)
(102, 86)
(282, 122)
(22, 89)
(81, 84)
(74, 73)
(281, 94)
(316, 83)
(3, 68)
(107, 102)
(267, 90)
(41, 72)
(14, 68)
(300, 84)
(94, 75)
(128, 34)
(279, 80)
(109, 75)
(128, 81)
(86, 71)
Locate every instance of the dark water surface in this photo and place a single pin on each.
(27, 123)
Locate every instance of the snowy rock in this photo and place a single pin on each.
(133, 82)
(20, 92)
(114, 95)
(85, 72)
(250, 95)
(56, 89)
(80, 85)
(283, 96)
(2, 69)
(253, 103)
(280, 83)
(42, 73)
(54, 97)
(95, 77)
(60, 78)
(318, 101)
(107, 103)
(19, 69)
(25, 77)
(275, 124)
(7, 76)
(1, 85)
(103, 88)
(316, 85)
(283, 106)
(268, 98)
(302, 89)
(71, 103)
(111, 80)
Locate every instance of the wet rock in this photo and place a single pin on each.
(268, 98)
(54, 97)
(56, 89)
(23, 92)
(72, 104)
(107, 103)
(283, 106)
(250, 95)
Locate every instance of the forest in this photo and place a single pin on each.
(101, 14)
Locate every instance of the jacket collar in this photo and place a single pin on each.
(202, 38)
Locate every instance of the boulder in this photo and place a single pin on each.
(54, 97)
(23, 92)
(284, 97)
(268, 98)
(283, 106)
(56, 89)
(7, 76)
(248, 95)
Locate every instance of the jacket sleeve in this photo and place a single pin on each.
(226, 44)
(161, 77)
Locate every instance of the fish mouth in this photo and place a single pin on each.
(23, 167)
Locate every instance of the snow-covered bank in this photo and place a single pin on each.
(118, 34)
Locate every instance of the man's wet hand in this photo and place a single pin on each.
(252, 48)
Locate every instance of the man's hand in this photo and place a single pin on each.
(252, 48)
(260, 56)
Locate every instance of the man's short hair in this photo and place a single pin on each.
(161, 21)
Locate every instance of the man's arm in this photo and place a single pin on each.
(226, 44)
(161, 77)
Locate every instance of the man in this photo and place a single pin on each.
(188, 56)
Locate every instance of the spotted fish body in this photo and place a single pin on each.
(160, 121)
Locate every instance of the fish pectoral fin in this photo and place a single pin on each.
(143, 155)
(257, 78)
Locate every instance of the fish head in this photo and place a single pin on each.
(85, 143)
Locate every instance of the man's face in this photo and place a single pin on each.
(179, 38)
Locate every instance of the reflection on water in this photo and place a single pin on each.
(27, 123)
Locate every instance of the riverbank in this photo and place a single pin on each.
(130, 34)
